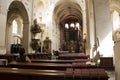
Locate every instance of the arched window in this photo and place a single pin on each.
(14, 27)
(17, 30)
(116, 20)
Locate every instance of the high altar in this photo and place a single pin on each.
(73, 39)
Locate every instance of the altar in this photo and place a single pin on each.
(73, 47)
(72, 38)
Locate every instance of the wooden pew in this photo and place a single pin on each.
(58, 61)
(9, 57)
(29, 74)
(51, 61)
(86, 74)
(78, 63)
(90, 74)
(50, 66)
(3, 62)
(72, 56)
(106, 63)
(39, 55)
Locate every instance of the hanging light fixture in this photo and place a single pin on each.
(77, 25)
(72, 25)
(66, 26)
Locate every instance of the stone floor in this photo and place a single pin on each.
(111, 74)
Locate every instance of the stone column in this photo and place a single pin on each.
(9, 38)
(91, 28)
(2, 34)
(3, 16)
(117, 59)
(26, 37)
(116, 38)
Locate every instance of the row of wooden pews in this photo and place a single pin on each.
(51, 61)
(39, 56)
(58, 61)
(47, 69)
(8, 57)
(86, 74)
(30, 74)
(68, 74)
(50, 66)
(72, 56)
(12, 57)
(77, 63)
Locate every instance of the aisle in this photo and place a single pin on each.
(111, 74)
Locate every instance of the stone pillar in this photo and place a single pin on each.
(2, 34)
(9, 36)
(117, 59)
(91, 28)
(3, 16)
(26, 37)
(103, 26)
(116, 38)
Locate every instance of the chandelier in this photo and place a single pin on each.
(75, 26)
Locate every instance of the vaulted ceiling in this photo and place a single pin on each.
(67, 11)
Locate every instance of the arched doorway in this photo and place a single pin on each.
(17, 25)
(68, 14)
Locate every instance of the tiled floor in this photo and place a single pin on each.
(111, 74)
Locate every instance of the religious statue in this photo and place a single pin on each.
(35, 44)
(35, 27)
(47, 45)
(71, 46)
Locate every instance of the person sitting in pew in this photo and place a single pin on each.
(22, 57)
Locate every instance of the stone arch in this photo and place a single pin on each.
(62, 7)
(114, 7)
(65, 10)
(17, 10)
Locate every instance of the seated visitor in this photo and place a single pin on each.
(22, 57)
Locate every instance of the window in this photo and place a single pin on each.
(116, 20)
(14, 27)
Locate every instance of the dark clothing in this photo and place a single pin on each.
(15, 48)
(21, 51)
(21, 58)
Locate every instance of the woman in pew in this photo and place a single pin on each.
(22, 57)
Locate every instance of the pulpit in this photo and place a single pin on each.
(35, 42)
